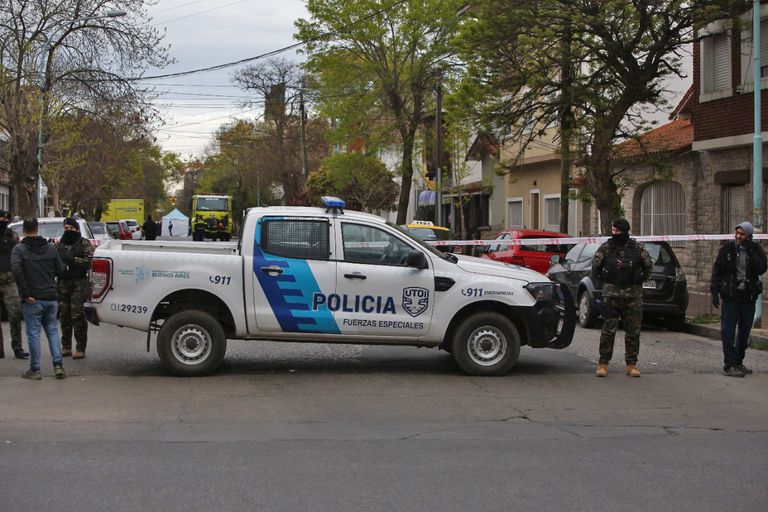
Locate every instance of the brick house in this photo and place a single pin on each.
(708, 148)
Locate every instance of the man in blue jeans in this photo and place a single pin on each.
(736, 279)
(35, 264)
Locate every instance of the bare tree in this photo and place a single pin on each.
(62, 56)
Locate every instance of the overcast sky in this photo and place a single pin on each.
(206, 33)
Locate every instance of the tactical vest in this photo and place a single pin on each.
(622, 265)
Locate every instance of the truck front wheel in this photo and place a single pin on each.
(486, 344)
(191, 343)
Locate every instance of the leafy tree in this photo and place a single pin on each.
(376, 64)
(622, 50)
(62, 56)
(363, 181)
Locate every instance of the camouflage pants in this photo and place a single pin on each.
(72, 295)
(630, 311)
(9, 294)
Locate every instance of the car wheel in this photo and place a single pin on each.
(486, 344)
(191, 343)
(587, 313)
(676, 323)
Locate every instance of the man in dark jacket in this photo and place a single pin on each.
(149, 227)
(9, 294)
(35, 265)
(623, 265)
(736, 279)
(74, 288)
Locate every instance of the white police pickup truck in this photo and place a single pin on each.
(324, 275)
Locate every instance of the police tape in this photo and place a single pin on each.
(588, 240)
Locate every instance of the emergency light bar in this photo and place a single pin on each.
(333, 204)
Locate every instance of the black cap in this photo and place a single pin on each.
(69, 221)
(622, 225)
(5, 214)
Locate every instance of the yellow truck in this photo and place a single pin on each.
(120, 209)
(211, 217)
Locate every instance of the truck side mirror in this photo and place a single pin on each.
(416, 259)
(555, 258)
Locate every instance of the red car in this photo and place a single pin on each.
(118, 230)
(535, 257)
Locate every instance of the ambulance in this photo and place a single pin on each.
(324, 275)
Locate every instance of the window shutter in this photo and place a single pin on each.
(516, 214)
(662, 209)
(763, 47)
(721, 70)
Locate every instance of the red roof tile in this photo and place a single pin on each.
(674, 137)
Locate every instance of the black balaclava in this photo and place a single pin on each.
(623, 226)
(71, 237)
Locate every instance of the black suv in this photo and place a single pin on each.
(665, 294)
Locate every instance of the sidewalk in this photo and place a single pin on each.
(701, 304)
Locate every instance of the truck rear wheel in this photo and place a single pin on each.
(486, 344)
(191, 343)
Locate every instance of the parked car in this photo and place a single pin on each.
(53, 227)
(134, 228)
(533, 256)
(665, 294)
(118, 230)
(99, 230)
(427, 231)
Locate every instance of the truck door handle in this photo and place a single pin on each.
(356, 275)
(272, 270)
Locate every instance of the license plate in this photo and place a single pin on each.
(650, 285)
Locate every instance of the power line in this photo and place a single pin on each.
(179, 6)
(270, 53)
(199, 12)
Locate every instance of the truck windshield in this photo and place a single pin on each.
(213, 204)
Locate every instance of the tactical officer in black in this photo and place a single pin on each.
(622, 264)
(736, 278)
(74, 288)
(9, 293)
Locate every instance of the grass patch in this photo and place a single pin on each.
(706, 318)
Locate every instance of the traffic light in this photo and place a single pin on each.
(173, 201)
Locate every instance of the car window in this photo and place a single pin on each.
(97, 228)
(499, 247)
(366, 244)
(588, 253)
(307, 239)
(573, 254)
(660, 254)
(554, 248)
(50, 229)
(431, 234)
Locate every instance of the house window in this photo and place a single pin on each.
(716, 63)
(515, 213)
(535, 210)
(734, 209)
(662, 209)
(552, 213)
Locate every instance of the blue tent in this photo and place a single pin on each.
(175, 223)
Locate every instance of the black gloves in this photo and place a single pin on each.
(716, 300)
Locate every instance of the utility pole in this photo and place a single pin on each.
(439, 153)
(302, 112)
(757, 166)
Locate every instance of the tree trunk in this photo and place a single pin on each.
(407, 176)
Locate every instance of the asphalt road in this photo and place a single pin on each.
(355, 428)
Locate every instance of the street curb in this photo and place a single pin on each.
(712, 331)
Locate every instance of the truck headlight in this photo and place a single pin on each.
(541, 291)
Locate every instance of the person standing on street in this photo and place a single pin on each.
(9, 294)
(736, 279)
(35, 264)
(150, 233)
(622, 264)
(74, 288)
(170, 228)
